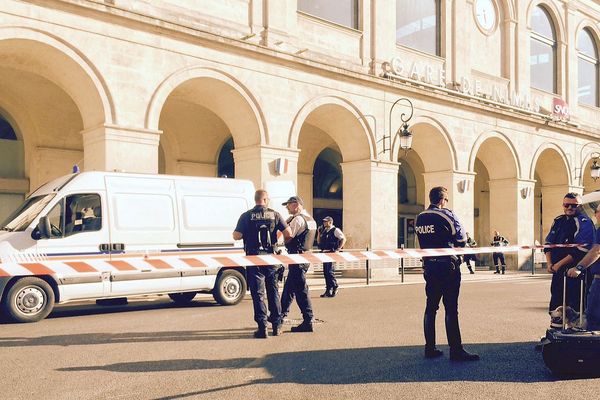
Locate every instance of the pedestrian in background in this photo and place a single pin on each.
(438, 227)
(258, 228)
(498, 257)
(330, 239)
(470, 257)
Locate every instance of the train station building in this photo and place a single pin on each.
(501, 98)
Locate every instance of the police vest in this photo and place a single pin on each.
(303, 241)
(261, 234)
(328, 241)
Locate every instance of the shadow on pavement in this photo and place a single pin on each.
(130, 337)
(500, 362)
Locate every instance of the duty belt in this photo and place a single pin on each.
(596, 276)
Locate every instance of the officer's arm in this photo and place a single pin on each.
(287, 234)
(237, 235)
(342, 242)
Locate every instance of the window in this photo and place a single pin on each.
(6, 131)
(75, 214)
(589, 67)
(343, 12)
(543, 51)
(417, 25)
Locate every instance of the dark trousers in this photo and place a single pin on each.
(556, 290)
(295, 286)
(263, 280)
(468, 258)
(328, 273)
(442, 282)
(499, 260)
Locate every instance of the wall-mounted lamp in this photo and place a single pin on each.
(525, 192)
(403, 133)
(463, 185)
(595, 168)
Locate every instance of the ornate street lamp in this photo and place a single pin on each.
(403, 134)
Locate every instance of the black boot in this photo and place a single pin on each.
(497, 270)
(277, 331)
(333, 291)
(471, 270)
(327, 293)
(433, 353)
(261, 332)
(503, 268)
(305, 326)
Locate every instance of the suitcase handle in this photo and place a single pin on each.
(581, 277)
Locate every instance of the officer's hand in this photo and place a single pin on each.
(573, 272)
(549, 268)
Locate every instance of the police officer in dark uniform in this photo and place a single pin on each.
(258, 227)
(498, 256)
(330, 240)
(438, 227)
(571, 227)
(303, 229)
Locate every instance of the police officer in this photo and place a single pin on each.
(330, 239)
(303, 230)
(470, 257)
(258, 227)
(498, 257)
(438, 227)
(570, 227)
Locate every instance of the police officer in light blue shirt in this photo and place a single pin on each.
(438, 227)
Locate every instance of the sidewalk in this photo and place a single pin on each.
(316, 281)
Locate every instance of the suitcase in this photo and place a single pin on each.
(572, 352)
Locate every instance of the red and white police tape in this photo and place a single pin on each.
(209, 262)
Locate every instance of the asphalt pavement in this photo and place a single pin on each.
(368, 344)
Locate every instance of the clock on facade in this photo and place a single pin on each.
(485, 15)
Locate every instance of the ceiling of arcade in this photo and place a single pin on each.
(312, 141)
(498, 159)
(54, 119)
(550, 169)
(194, 133)
(214, 107)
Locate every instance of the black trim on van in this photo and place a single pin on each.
(74, 280)
(204, 245)
(144, 275)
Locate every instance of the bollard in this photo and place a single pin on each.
(533, 261)
(402, 266)
(367, 267)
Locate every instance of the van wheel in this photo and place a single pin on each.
(182, 298)
(28, 300)
(230, 288)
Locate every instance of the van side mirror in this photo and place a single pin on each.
(43, 228)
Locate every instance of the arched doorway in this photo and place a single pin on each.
(12, 167)
(328, 186)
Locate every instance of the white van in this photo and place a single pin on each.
(102, 235)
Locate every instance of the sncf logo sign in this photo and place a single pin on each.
(560, 108)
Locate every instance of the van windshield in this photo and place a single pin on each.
(22, 217)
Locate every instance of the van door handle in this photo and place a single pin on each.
(117, 247)
(104, 247)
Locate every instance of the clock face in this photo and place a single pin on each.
(485, 12)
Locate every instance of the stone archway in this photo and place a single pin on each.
(198, 110)
(52, 94)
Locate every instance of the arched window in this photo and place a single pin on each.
(6, 131)
(588, 69)
(343, 12)
(418, 25)
(543, 51)
(226, 167)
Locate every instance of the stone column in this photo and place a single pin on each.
(258, 164)
(370, 204)
(511, 202)
(111, 147)
(460, 187)
(305, 190)
(382, 34)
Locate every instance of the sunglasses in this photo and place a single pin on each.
(570, 205)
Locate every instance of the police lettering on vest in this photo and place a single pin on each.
(425, 229)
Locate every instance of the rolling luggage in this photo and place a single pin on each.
(572, 352)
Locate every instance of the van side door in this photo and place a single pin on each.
(143, 225)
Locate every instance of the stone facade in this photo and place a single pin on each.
(160, 86)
